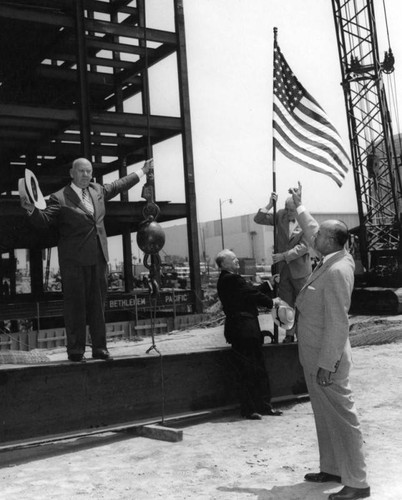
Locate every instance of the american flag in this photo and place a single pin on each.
(301, 129)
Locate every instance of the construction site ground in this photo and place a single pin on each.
(224, 456)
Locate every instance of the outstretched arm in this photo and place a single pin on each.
(263, 216)
(127, 182)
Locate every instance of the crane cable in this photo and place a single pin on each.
(386, 23)
(150, 235)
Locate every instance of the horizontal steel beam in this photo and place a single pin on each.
(54, 398)
(57, 18)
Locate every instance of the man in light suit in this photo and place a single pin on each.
(325, 353)
(77, 211)
(292, 259)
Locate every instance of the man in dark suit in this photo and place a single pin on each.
(291, 258)
(325, 353)
(77, 212)
(240, 301)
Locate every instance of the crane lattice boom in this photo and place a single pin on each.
(375, 163)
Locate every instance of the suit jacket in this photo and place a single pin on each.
(78, 230)
(322, 310)
(295, 247)
(240, 300)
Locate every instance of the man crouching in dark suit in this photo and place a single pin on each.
(240, 300)
(77, 211)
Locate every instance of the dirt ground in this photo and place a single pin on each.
(226, 458)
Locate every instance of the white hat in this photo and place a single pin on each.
(28, 187)
(283, 315)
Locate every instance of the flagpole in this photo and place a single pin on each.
(275, 339)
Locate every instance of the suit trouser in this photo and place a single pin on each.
(340, 440)
(254, 388)
(84, 290)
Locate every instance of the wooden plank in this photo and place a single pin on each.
(5, 340)
(51, 338)
(116, 335)
(148, 326)
(160, 433)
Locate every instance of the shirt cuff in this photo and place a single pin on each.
(264, 210)
(140, 173)
(300, 209)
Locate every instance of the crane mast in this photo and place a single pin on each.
(375, 163)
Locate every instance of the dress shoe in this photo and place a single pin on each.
(349, 493)
(269, 411)
(102, 354)
(76, 358)
(253, 416)
(288, 339)
(322, 477)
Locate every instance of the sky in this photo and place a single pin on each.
(229, 56)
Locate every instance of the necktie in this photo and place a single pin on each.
(292, 226)
(320, 263)
(87, 201)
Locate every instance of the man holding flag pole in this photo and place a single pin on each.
(291, 257)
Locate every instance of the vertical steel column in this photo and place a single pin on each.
(146, 106)
(126, 236)
(93, 69)
(192, 225)
(83, 97)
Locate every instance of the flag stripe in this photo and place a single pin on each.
(293, 138)
(301, 128)
(309, 135)
(318, 163)
(320, 112)
(299, 135)
(308, 165)
(323, 121)
(308, 160)
(311, 163)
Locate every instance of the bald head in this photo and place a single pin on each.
(331, 237)
(81, 172)
(80, 162)
(226, 260)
